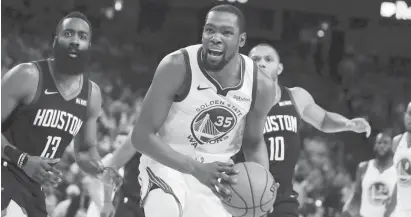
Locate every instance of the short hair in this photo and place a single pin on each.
(387, 132)
(264, 44)
(233, 10)
(73, 14)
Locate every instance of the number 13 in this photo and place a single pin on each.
(276, 148)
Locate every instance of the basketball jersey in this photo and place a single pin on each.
(47, 126)
(402, 162)
(281, 134)
(209, 120)
(377, 188)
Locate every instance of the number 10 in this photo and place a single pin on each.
(276, 148)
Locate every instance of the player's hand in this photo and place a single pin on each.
(41, 170)
(210, 173)
(359, 125)
(110, 176)
(108, 210)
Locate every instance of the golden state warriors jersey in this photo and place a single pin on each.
(402, 162)
(210, 118)
(377, 188)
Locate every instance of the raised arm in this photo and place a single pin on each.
(323, 120)
(353, 204)
(254, 147)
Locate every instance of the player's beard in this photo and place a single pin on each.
(384, 157)
(66, 64)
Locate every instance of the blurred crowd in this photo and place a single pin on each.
(360, 85)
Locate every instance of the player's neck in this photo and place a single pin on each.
(383, 162)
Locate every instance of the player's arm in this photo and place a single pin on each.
(85, 147)
(254, 147)
(167, 84)
(395, 142)
(13, 95)
(121, 155)
(319, 118)
(85, 143)
(352, 206)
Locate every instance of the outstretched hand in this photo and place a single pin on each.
(359, 125)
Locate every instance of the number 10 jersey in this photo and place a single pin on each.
(282, 136)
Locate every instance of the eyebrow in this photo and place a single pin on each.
(223, 26)
(72, 30)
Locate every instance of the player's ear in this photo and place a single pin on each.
(243, 38)
(89, 45)
(54, 41)
(280, 69)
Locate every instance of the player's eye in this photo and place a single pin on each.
(208, 30)
(268, 59)
(68, 33)
(256, 59)
(228, 33)
(83, 37)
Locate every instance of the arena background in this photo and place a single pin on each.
(352, 56)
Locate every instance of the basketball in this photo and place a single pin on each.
(254, 193)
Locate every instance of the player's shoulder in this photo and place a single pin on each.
(396, 141)
(299, 93)
(95, 99)
(362, 166)
(23, 72)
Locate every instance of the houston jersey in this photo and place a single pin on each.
(402, 162)
(377, 189)
(210, 119)
(281, 134)
(47, 126)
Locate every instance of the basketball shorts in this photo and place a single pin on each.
(286, 205)
(193, 198)
(128, 207)
(17, 198)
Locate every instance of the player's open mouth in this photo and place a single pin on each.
(214, 53)
(73, 55)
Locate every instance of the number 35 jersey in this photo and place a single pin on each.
(282, 136)
(47, 126)
(210, 119)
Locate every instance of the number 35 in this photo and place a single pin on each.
(276, 148)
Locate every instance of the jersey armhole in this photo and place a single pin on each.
(255, 83)
(362, 168)
(38, 90)
(186, 86)
(294, 102)
(90, 89)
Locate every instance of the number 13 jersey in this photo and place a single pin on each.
(282, 136)
(209, 120)
(48, 125)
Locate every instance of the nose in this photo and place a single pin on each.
(75, 42)
(215, 39)
(261, 65)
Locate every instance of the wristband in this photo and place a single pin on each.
(13, 154)
(24, 160)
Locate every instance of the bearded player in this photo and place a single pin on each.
(45, 104)
(282, 128)
(376, 180)
(204, 101)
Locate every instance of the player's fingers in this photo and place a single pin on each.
(228, 170)
(50, 161)
(223, 191)
(227, 178)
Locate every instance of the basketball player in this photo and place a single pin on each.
(204, 101)
(375, 182)
(401, 203)
(282, 127)
(45, 104)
